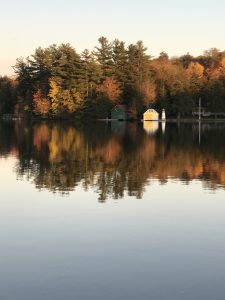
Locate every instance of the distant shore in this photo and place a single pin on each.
(83, 120)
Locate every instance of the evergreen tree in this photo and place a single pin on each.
(8, 95)
(119, 56)
(91, 73)
(103, 54)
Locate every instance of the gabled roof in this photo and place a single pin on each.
(151, 110)
(120, 107)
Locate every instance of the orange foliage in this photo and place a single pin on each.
(110, 152)
(218, 72)
(41, 105)
(41, 135)
(148, 91)
(110, 89)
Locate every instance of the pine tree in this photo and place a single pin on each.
(119, 56)
(103, 55)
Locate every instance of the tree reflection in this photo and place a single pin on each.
(114, 159)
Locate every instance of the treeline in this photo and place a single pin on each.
(58, 82)
(8, 95)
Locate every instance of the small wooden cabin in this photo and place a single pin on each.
(151, 115)
(120, 112)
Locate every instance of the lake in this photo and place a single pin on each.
(112, 211)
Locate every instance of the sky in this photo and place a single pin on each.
(174, 26)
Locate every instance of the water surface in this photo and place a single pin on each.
(112, 211)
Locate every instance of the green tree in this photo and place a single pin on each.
(119, 56)
(8, 95)
(103, 54)
(91, 73)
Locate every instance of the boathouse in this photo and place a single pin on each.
(151, 115)
(120, 112)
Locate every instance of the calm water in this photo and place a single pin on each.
(112, 212)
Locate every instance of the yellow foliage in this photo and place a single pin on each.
(195, 70)
(71, 100)
(63, 99)
(54, 96)
(54, 89)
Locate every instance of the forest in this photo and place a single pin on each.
(59, 82)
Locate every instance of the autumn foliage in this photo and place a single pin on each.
(57, 81)
(41, 105)
(110, 90)
(60, 156)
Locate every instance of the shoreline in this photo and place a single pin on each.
(10, 118)
(169, 120)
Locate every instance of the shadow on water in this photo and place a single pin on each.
(115, 158)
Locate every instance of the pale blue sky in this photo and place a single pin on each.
(175, 26)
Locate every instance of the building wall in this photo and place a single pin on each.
(118, 114)
(151, 116)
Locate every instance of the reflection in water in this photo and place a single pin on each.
(163, 126)
(151, 127)
(115, 158)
